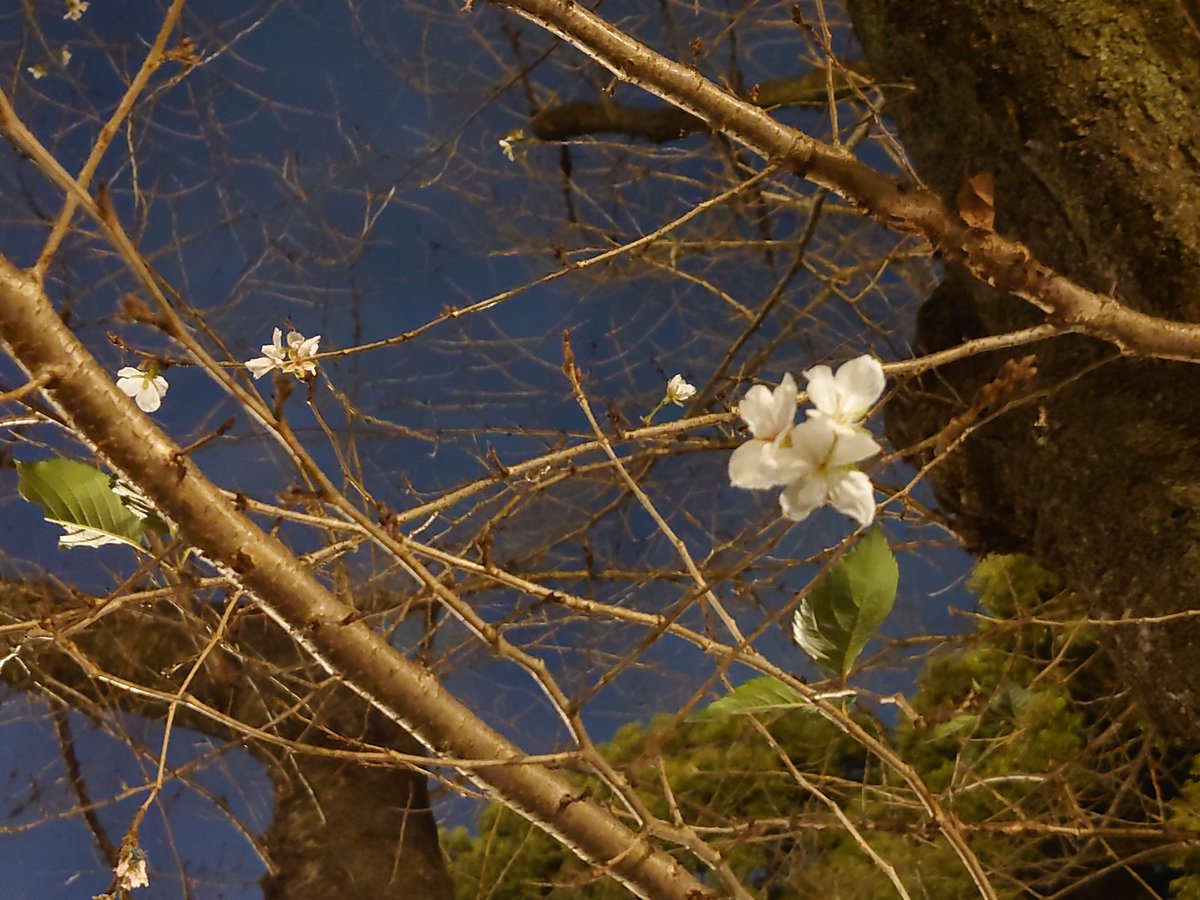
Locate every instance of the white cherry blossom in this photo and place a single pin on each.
(845, 398)
(295, 359)
(827, 458)
(679, 391)
(145, 386)
(766, 461)
(816, 462)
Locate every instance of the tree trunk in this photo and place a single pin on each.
(345, 830)
(1085, 112)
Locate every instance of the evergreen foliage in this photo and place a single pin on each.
(1023, 730)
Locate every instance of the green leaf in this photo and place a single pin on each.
(80, 498)
(839, 615)
(756, 695)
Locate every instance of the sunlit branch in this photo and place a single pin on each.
(646, 503)
(1001, 262)
(573, 266)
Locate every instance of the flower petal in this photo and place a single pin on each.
(860, 383)
(261, 366)
(148, 398)
(853, 495)
(129, 385)
(750, 466)
(146, 390)
(851, 447)
(770, 412)
(679, 391)
(802, 496)
(824, 444)
(813, 441)
(822, 390)
(847, 396)
(82, 536)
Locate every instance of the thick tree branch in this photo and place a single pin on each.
(409, 694)
(667, 122)
(996, 260)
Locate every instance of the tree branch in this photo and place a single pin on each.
(407, 693)
(667, 122)
(1001, 262)
(330, 806)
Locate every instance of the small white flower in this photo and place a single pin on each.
(295, 359)
(845, 398)
(679, 391)
(766, 461)
(64, 55)
(827, 458)
(76, 9)
(145, 386)
(38, 72)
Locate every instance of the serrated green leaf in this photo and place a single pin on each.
(839, 615)
(756, 695)
(80, 499)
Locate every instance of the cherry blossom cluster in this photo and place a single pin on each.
(296, 358)
(816, 461)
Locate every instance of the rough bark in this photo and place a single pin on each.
(338, 825)
(1085, 111)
